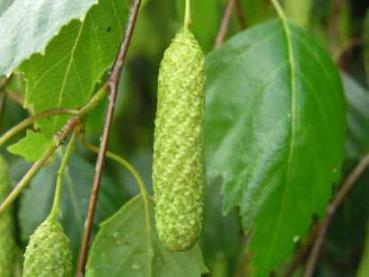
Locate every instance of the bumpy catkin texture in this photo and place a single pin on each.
(178, 167)
(7, 240)
(48, 252)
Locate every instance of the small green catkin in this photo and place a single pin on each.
(178, 165)
(7, 240)
(48, 252)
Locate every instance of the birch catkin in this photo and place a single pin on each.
(178, 168)
(7, 240)
(48, 252)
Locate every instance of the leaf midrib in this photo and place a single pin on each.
(287, 33)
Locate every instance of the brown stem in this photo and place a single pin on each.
(339, 54)
(302, 252)
(224, 25)
(331, 210)
(15, 97)
(113, 83)
(333, 24)
(240, 14)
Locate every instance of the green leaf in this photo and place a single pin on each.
(31, 147)
(127, 245)
(37, 200)
(358, 118)
(74, 62)
(275, 132)
(364, 264)
(26, 27)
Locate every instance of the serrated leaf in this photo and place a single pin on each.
(127, 245)
(74, 62)
(275, 132)
(37, 200)
(31, 147)
(358, 118)
(26, 27)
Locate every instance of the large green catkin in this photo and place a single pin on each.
(48, 252)
(7, 239)
(178, 166)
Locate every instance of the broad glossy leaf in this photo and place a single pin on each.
(37, 200)
(74, 62)
(127, 245)
(358, 118)
(275, 133)
(26, 26)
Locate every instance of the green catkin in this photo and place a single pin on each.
(178, 166)
(7, 240)
(48, 252)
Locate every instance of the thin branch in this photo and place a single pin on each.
(30, 120)
(226, 19)
(15, 97)
(240, 14)
(302, 252)
(347, 46)
(331, 210)
(27, 178)
(125, 164)
(113, 83)
(56, 142)
(225, 23)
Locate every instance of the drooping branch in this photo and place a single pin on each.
(240, 14)
(113, 84)
(341, 195)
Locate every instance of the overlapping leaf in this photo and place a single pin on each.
(275, 134)
(26, 26)
(127, 245)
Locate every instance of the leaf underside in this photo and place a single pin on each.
(275, 133)
(26, 27)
